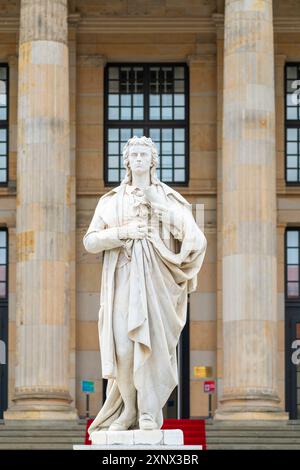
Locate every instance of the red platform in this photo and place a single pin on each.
(193, 430)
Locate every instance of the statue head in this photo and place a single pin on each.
(151, 157)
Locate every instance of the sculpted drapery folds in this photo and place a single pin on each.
(152, 252)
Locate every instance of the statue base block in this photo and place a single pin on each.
(165, 437)
(137, 447)
(137, 439)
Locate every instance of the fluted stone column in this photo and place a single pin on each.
(45, 221)
(249, 216)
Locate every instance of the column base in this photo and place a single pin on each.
(241, 410)
(251, 416)
(41, 412)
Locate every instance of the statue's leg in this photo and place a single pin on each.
(124, 348)
(124, 353)
(150, 414)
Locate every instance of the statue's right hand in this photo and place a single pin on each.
(134, 230)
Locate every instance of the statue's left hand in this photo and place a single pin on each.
(152, 195)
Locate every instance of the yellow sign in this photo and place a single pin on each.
(202, 372)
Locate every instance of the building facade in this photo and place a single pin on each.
(214, 83)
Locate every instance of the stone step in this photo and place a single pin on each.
(253, 433)
(253, 429)
(35, 446)
(252, 446)
(40, 433)
(266, 439)
(41, 439)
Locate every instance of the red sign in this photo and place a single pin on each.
(209, 386)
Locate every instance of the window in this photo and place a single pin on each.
(3, 122)
(3, 264)
(292, 263)
(150, 100)
(292, 122)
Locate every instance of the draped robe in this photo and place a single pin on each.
(163, 271)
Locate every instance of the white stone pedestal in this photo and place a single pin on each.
(137, 439)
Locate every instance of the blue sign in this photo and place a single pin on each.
(87, 386)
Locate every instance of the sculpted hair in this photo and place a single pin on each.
(154, 162)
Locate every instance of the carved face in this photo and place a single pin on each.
(140, 159)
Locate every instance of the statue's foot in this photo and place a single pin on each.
(147, 422)
(122, 423)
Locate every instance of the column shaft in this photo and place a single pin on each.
(249, 215)
(45, 219)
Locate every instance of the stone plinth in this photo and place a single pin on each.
(165, 437)
(158, 439)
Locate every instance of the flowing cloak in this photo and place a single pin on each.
(163, 271)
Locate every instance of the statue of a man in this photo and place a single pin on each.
(153, 250)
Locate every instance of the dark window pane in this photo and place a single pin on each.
(2, 255)
(292, 238)
(3, 86)
(2, 148)
(138, 100)
(154, 113)
(167, 175)
(113, 134)
(3, 162)
(113, 175)
(292, 113)
(292, 175)
(292, 134)
(126, 113)
(293, 289)
(292, 148)
(179, 100)
(114, 162)
(3, 176)
(125, 100)
(167, 161)
(179, 175)
(114, 73)
(179, 134)
(167, 100)
(292, 161)
(293, 256)
(291, 71)
(154, 100)
(3, 238)
(293, 273)
(113, 113)
(113, 100)
(155, 134)
(3, 135)
(2, 290)
(138, 113)
(125, 134)
(179, 147)
(179, 113)
(167, 148)
(113, 148)
(2, 273)
(113, 87)
(2, 99)
(3, 113)
(179, 161)
(3, 73)
(167, 113)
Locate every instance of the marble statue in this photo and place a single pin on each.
(152, 250)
